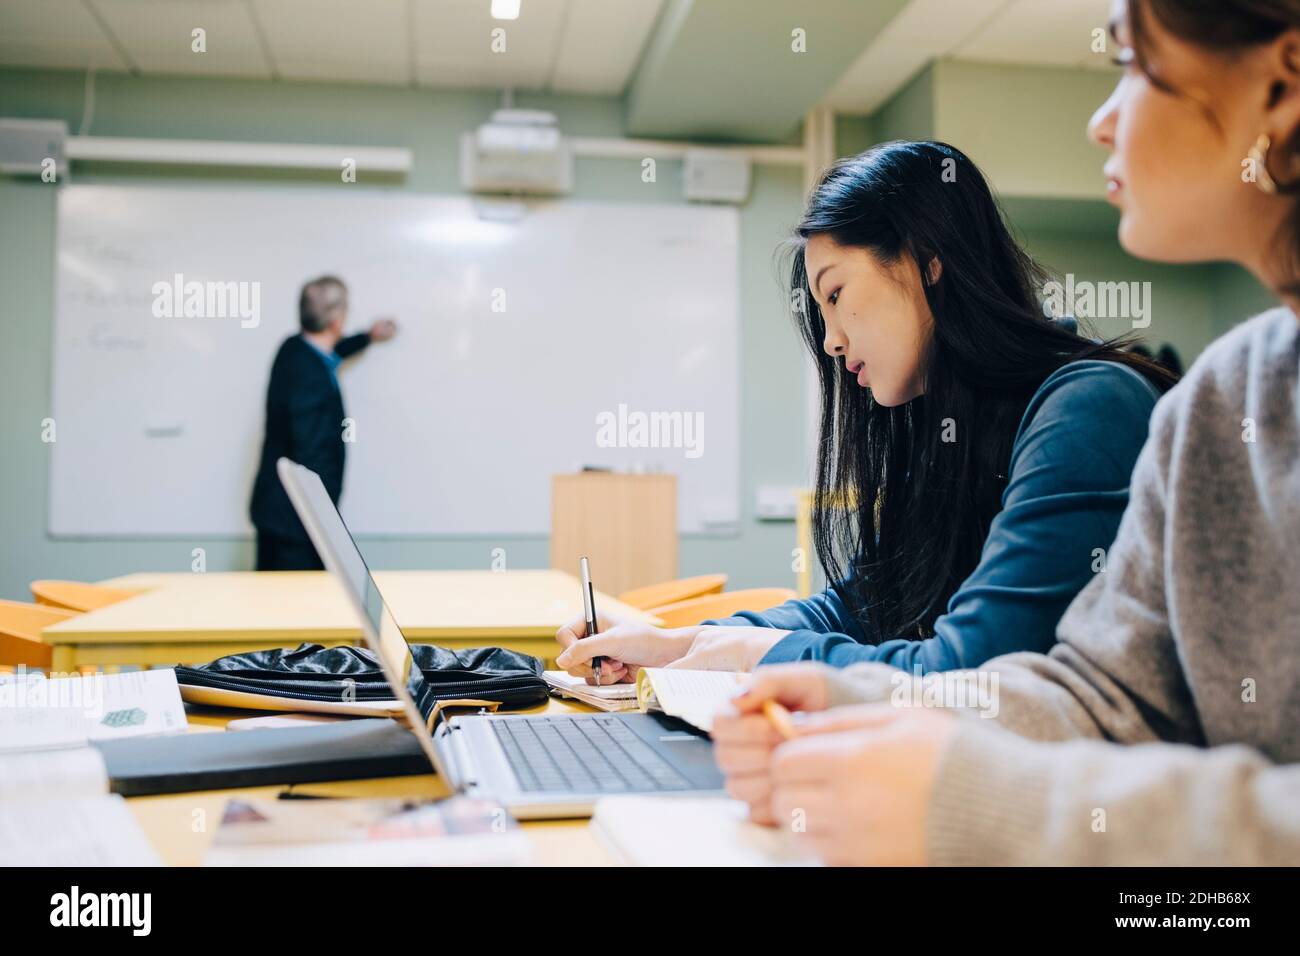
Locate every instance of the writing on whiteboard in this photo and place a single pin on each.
(208, 300)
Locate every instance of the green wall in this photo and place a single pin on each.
(909, 113)
(1237, 295)
(1182, 298)
(1026, 128)
(429, 123)
(1045, 151)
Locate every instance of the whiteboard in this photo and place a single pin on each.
(518, 340)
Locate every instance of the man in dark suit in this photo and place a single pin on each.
(305, 420)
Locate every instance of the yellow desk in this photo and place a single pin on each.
(181, 826)
(194, 618)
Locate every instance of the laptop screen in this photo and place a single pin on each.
(340, 553)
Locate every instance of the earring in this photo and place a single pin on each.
(1258, 156)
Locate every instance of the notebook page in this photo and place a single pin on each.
(98, 831)
(38, 713)
(138, 703)
(40, 728)
(686, 831)
(578, 685)
(693, 696)
(51, 774)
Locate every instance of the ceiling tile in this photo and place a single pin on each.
(569, 46)
(601, 45)
(1041, 33)
(922, 31)
(453, 44)
(340, 40)
(54, 34)
(156, 34)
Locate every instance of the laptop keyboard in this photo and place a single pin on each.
(583, 754)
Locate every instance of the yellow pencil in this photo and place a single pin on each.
(779, 718)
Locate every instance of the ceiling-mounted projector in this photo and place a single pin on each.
(517, 151)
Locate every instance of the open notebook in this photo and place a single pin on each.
(55, 805)
(691, 831)
(609, 697)
(693, 696)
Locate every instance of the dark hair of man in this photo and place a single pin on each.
(320, 301)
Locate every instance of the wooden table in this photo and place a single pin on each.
(194, 618)
(181, 826)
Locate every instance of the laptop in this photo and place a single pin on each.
(537, 766)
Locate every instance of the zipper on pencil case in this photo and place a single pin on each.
(369, 691)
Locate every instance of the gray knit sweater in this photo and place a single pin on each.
(1164, 728)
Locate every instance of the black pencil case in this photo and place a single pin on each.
(348, 680)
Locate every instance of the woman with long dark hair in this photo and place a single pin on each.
(1164, 726)
(975, 453)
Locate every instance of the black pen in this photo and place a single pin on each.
(589, 608)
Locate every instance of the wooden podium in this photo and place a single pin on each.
(626, 525)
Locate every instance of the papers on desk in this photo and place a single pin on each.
(608, 697)
(692, 696)
(32, 776)
(40, 713)
(93, 831)
(55, 808)
(686, 831)
(453, 832)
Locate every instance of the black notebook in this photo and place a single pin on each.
(347, 750)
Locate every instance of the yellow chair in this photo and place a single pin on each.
(20, 633)
(803, 535)
(670, 592)
(695, 610)
(77, 596)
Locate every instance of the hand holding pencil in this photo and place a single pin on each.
(759, 721)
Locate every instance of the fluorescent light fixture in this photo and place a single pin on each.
(505, 9)
(190, 152)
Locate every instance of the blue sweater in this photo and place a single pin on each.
(1070, 465)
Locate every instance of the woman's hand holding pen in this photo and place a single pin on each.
(719, 647)
(627, 645)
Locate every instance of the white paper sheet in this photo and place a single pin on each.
(97, 831)
(38, 713)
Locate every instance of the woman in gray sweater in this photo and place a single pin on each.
(1164, 727)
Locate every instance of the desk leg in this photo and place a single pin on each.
(63, 658)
